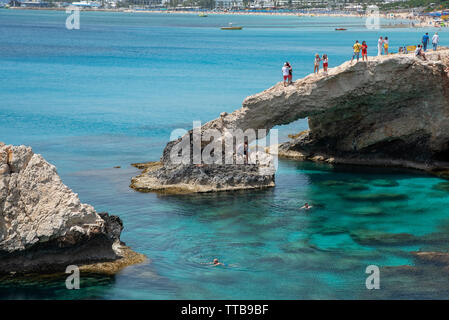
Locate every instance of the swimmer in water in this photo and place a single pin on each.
(217, 263)
(306, 206)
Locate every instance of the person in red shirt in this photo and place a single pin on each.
(364, 51)
(325, 62)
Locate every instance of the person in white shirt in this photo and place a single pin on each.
(420, 53)
(435, 41)
(380, 44)
(286, 72)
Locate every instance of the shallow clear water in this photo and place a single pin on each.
(111, 93)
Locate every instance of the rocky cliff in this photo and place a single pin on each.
(391, 110)
(43, 225)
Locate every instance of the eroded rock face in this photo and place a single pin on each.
(391, 110)
(169, 177)
(191, 178)
(43, 225)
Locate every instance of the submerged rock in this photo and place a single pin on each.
(384, 183)
(442, 186)
(367, 211)
(441, 172)
(369, 237)
(342, 184)
(434, 258)
(375, 197)
(43, 225)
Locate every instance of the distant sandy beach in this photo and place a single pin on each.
(413, 21)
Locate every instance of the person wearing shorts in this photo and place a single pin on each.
(357, 47)
(425, 41)
(435, 41)
(286, 73)
(325, 63)
(364, 51)
(380, 44)
(316, 64)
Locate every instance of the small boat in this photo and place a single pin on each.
(340, 29)
(231, 27)
(202, 15)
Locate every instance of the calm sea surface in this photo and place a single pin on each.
(111, 93)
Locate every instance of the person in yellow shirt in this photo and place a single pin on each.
(357, 47)
(386, 45)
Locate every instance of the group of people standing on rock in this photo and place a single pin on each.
(382, 49)
(421, 48)
(426, 40)
(317, 62)
(382, 46)
(357, 48)
(287, 70)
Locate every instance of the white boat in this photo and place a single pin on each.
(231, 27)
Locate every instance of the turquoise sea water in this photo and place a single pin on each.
(111, 93)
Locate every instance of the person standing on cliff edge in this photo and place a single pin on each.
(325, 63)
(357, 47)
(386, 45)
(380, 44)
(316, 64)
(435, 41)
(364, 51)
(425, 41)
(287, 73)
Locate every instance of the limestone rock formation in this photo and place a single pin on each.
(392, 110)
(43, 225)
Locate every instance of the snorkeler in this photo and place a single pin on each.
(306, 206)
(217, 263)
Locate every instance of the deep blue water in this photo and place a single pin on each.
(111, 93)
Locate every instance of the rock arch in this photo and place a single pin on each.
(391, 110)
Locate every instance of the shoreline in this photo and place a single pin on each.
(402, 17)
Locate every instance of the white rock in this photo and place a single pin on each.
(35, 206)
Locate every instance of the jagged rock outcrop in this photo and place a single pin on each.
(43, 225)
(391, 110)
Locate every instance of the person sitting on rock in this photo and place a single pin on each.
(306, 206)
(419, 52)
(243, 150)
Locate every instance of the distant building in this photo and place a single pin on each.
(15, 3)
(34, 4)
(86, 4)
(224, 4)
